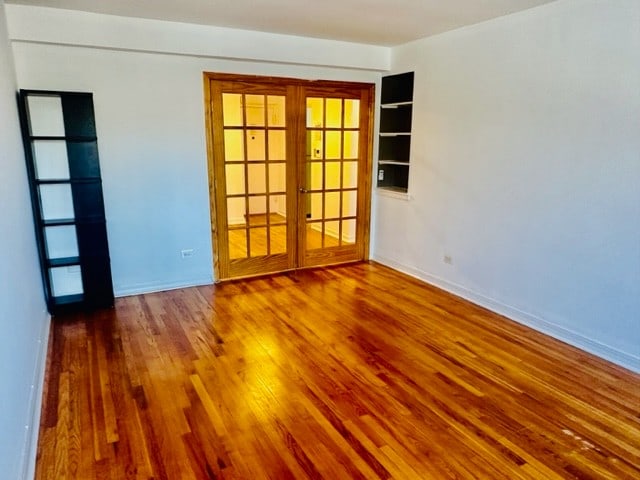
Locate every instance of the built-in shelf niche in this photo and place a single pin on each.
(396, 111)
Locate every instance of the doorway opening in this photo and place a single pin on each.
(289, 172)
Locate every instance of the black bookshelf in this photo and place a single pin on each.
(61, 150)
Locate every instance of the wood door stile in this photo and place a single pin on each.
(215, 149)
(294, 180)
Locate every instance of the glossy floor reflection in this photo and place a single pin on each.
(352, 372)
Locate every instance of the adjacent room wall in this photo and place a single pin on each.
(150, 120)
(525, 170)
(23, 318)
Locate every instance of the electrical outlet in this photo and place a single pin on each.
(187, 253)
(447, 259)
(380, 175)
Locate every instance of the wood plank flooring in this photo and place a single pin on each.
(353, 372)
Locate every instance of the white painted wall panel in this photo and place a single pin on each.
(525, 170)
(151, 137)
(23, 319)
(68, 27)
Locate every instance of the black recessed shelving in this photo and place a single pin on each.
(396, 111)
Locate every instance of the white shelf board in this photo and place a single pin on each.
(391, 193)
(392, 162)
(395, 105)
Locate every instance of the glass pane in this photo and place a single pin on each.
(314, 145)
(232, 109)
(350, 148)
(276, 110)
(255, 145)
(233, 145)
(314, 206)
(332, 175)
(314, 175)
(278, 208)
(315, 112)
(348, 231)
(331, 234)
(45, 116)
(61, 241)
(349, 174)
(56, 201)
(279, 239)
(277, 177)
(349, 203)
(334, 113)
(51, 159)
(257, 178)
(257, 210)
(258, 241)
(234, 174)
(66, 280)
(332, 147)
(332, 205)
(314, 236)
(236, 211)
(254, 110)
(277, 145)
(238, 243)
(351, 113)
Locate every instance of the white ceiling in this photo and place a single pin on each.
(378, 22)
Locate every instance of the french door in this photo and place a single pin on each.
(289, 172)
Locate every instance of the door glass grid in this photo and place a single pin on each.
(331, 171)
(255, 170)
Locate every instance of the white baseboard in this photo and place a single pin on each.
(30, 449)
(554, 330)
(153, 287)
(237, 221)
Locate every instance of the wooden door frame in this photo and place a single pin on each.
(322, 89)
(215, 149)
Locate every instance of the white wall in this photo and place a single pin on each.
(150, 120)
(23, 319)
(66, 27)
(525, 169)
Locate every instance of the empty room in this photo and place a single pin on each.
(355, 239)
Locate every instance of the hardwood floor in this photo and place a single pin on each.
(350, 372)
